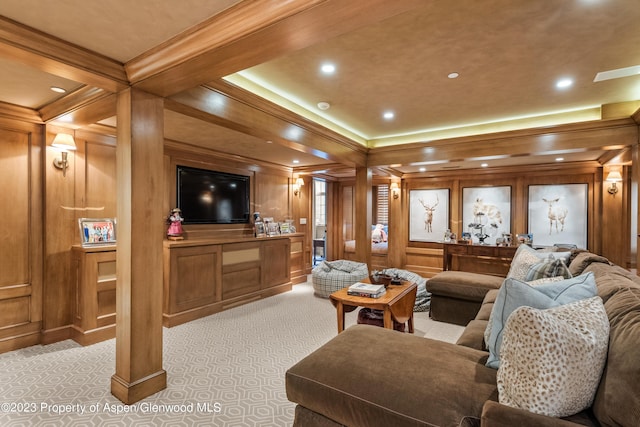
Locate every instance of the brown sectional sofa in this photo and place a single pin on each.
(370, 376)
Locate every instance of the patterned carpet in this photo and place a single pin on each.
(223, 370)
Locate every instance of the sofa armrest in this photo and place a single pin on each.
(496, 415)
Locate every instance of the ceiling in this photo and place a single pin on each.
(508, 60)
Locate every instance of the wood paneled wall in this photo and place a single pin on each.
(21, 261)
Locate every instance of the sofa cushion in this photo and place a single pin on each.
(550, 267)
(362, 377)
(583, 260)
(525, 257)
(515, 293)
(552, 360)
(463, 285)
(618, 399)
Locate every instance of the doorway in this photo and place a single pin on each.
(319, 252)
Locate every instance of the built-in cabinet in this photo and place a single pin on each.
(93, 274)
(205, 276)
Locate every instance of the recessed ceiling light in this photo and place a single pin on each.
(422, 169)
(564, 83)
(323, 105)
(296, 162)
(328, 68)
(58, 89)
(388, 115)
(484, 165)
(559, 159)
(453, 75)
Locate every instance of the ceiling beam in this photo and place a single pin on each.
(251, 33)
(615, 135)
(58, 57)
(218, 108)
(74, 101)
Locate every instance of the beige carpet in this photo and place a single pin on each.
(223, 370)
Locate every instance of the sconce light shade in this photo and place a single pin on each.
(64, 143)
(395, 190)
(613, 177)
(297, 186)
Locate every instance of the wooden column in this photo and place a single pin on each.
(397, 229)
(140, 232)
(364, 216)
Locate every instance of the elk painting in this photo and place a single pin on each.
(428, 214)
(556, 214)
(488, 206)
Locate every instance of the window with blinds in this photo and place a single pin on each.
(382, 205)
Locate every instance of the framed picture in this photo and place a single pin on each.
(428, 214)
(260, 230)
(97, 231)
(272, 229)
(284, 228)
(486, 211)
(558, 214)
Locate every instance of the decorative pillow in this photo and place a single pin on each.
(487, 330)
(522, 261)
(552, 360)
(515, 293)
(582, 261)
(551, 267)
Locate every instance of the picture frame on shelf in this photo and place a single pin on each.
(428, 214)
(284, 228)
(97, 231)
(260, 229)
(273, 229)
(559, 213)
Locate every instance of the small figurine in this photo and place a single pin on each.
(175, 224)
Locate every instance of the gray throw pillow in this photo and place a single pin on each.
(551, 267)
(515, 293)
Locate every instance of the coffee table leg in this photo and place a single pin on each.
(340, 311)
(388, 321)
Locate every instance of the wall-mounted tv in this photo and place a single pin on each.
(210, 197)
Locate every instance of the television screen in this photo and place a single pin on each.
(209, 197)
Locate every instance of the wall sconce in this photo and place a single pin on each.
(297, 187)
(613, 177)
(395, 190)
(64, 143)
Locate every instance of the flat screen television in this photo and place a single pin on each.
(210, 197)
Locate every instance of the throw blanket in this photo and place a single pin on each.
(423, 298)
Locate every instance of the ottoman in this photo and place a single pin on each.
(456, 296)
(330, 276)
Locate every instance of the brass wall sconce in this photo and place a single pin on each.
(64, 143)
(395, 190)
(297, 187)
(613, 178)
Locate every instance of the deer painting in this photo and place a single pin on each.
(428, 214)
(490, 211)
(556, 214)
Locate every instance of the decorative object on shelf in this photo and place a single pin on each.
(284, 228)
(613, 177)
(559, 213)
(174, 232)
(478, 225)
(526, 238)
(97, 231)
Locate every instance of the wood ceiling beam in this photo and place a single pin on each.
(58, 57)
(80, 99)
(249, 34)
(614, 135)
(218, 108)
(16, 112)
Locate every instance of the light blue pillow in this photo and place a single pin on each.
(515, 293)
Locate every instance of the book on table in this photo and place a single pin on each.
(366, 290)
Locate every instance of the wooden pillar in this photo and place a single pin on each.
(363, 215)
(397, 228)
(140, 232)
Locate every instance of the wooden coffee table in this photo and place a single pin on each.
(397, 304)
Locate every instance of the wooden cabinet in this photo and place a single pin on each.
(487, 259)
(93, 274)
(298, 274)
(202, 277)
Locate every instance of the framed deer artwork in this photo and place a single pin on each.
(428, 214)
(486, 212)
(558, 214)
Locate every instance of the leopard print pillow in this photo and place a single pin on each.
(551, 360)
